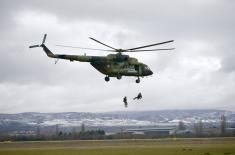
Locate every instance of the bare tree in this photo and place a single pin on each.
(83, 127)
(181, 125)
(223, 125)
(198, 128)
(57, 129)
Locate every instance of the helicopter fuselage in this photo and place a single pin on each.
(112, 65)
(116, 65)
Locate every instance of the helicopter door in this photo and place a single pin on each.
(137, 68)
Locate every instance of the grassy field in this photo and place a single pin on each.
(199, 146)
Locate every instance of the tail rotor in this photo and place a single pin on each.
(43, 41)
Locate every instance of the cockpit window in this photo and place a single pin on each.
(146, 67)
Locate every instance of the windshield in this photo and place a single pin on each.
(146, 67)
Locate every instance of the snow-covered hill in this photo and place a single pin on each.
(132, 118)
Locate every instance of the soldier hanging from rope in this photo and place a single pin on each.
(125, 101)
(138, 97)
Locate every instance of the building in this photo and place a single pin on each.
(153, 132)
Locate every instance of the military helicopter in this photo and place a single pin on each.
(112, 65)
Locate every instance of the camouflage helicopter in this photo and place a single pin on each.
(112, 65)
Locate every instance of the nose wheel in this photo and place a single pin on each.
(137, 80)
(119, 77)
(106, 79)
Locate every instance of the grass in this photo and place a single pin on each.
(123, 147)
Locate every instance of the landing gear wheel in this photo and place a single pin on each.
(137, 80)
(106, 79)
(119, 77)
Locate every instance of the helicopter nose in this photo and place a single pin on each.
(149, 72)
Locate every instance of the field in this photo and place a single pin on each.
(196, 146)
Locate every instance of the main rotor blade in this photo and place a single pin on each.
(161, 49)
(85, 48)
(102, 43)
(149, 45)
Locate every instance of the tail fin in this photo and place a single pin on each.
(45, 49)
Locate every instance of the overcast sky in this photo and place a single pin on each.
(199, 74)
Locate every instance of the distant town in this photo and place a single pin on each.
(117, 125)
